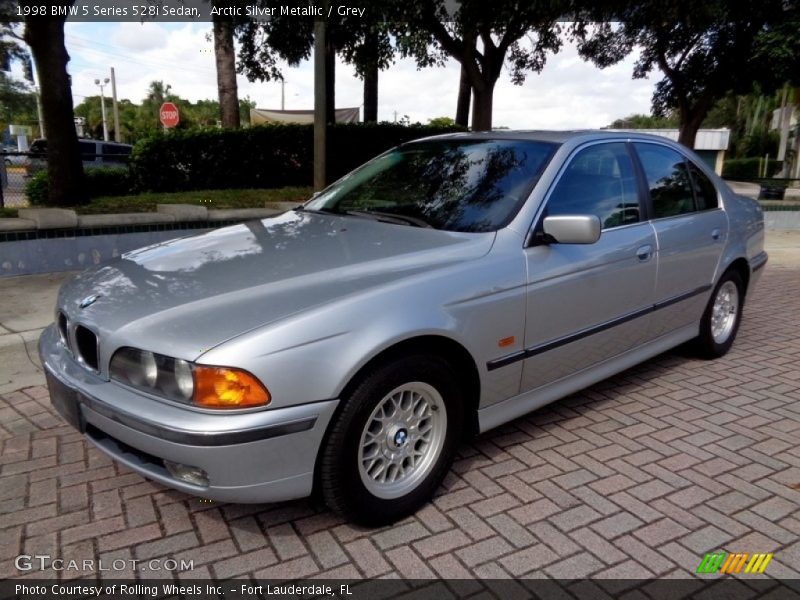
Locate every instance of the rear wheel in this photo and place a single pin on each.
(721, 319)
(393, 441)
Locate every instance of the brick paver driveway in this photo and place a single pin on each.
(635, 477)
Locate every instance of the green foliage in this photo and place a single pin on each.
(646, 122)
(761, 141)
(214, 199)
(17, 103)
(704, 50)
(442, 122)
(514, 36)
(748, 168)
(107, 181)
(102, 181)
(268, 156)
(137, 121)
(37, 189)
(362, 42)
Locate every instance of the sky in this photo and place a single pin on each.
(569, 93)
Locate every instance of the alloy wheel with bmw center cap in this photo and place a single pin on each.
(394, 439)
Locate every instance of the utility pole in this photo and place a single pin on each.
(283, 94)
(320, 102)
(115, 107)
(39, 112)
(103, 106)
(35, 77)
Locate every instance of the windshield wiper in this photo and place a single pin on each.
(390, 218)
(324, 209)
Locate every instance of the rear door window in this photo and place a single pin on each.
(704, 190)
(116, 149)
(667, 179)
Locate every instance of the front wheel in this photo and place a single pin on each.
(720, 322)
(393, 440)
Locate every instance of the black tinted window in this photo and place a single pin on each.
(116, 149)
(457, 185)
(705, 192)
(667, 179)
(88, 150)
(600, 181)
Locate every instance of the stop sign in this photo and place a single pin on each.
(168, 114)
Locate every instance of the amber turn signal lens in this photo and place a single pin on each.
(220, 387)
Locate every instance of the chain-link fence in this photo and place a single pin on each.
(19, 168)
(16, 171)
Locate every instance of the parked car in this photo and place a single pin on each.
(446, 287)
(12, 157)
(94, 153)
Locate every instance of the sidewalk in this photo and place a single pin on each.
(26, 308)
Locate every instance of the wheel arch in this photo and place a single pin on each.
(441, 345)
(741, 266)
(445, 347)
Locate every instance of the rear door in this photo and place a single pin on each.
(691, 229)
(587, 303)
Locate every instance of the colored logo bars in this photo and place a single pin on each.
(722, 562)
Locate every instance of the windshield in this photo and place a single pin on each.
(456, 185)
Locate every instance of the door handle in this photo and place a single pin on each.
(643, 253)
(715, 234)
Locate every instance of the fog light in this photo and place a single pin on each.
(193, 475)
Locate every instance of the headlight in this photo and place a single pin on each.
(149, 370)
(184, 378)
(182, 381)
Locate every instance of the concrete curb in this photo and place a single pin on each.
(33, 219)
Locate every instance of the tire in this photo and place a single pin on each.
(722, 317)
(393, 440)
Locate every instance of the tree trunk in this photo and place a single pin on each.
(464, 99)
(371, 77)
(64, 167)
(371, 95)
(692, 117)
(688, 132)
(330, 81)
(227, 90)
(482, 108)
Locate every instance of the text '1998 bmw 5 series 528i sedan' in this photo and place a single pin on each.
(448, 286)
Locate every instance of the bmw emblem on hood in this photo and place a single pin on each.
(89, 300)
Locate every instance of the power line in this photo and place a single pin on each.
(138, 61)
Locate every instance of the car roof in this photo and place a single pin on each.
(109, 142)
(556, 137)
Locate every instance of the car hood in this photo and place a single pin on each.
(184, 296)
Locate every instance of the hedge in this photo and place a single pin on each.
(747, 168)
(101, 181)
(265, 156)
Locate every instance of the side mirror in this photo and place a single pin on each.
(572, 229)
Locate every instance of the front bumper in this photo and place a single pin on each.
(262, 456)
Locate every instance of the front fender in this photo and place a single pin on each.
(313, 355)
